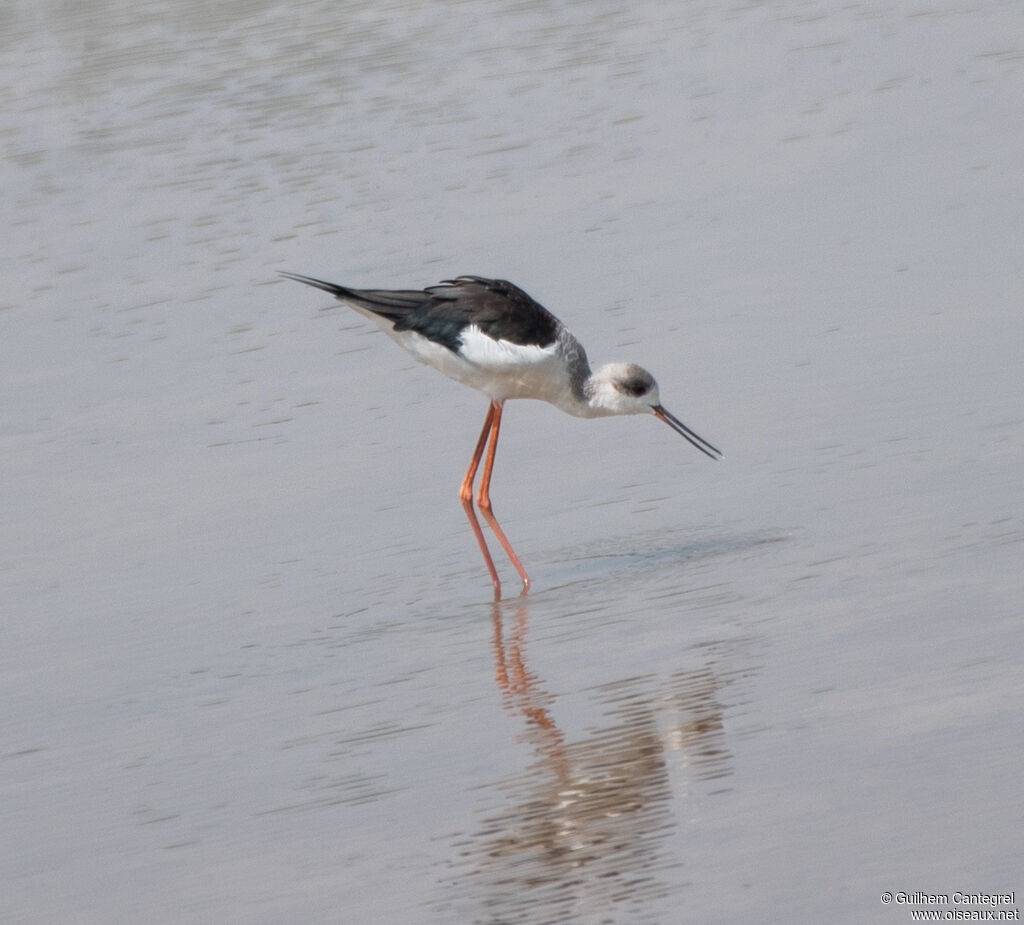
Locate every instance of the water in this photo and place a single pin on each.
(250, 666)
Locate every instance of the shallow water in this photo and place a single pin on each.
(250, 665)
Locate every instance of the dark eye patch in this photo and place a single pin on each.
(635, 384)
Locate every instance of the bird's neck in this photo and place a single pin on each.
(577, 399)
(588, 397)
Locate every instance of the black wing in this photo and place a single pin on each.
(497, 307)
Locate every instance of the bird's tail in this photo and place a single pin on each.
(393, 304)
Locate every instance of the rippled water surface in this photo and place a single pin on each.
(250, 665)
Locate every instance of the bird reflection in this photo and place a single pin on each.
(585, 826)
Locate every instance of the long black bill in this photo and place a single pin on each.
(680, 428)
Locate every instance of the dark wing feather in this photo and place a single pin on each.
(497, 307)
(393, 304)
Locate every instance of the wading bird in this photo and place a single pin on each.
(489, 334)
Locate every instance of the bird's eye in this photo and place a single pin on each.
(634, 387)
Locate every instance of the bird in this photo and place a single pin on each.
(490, 335)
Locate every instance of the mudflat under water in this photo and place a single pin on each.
(250, 667)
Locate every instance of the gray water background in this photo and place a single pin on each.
(249, 664)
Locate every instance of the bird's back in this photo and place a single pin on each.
(500, 309)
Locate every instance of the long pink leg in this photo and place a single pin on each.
(466, 497)
(483, 498)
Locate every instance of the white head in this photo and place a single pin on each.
(625, 388)
(622, 388)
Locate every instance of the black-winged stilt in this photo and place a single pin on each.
(489, 334)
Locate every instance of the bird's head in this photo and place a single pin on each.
(625, 388)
